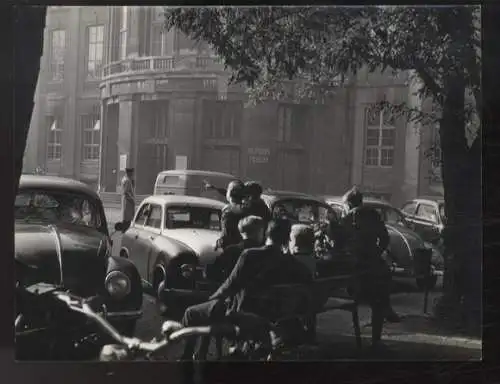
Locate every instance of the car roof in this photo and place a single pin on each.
(429, 199)
(277, 194)
(366, 200)
(55, 182)
(196, 172)
(183, 199)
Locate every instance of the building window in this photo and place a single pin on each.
(184, 45)
(159, 126)
(95, 38)
(123, 32)
(91, 128)
(54, 150)
(159, 44)
(290, 122)
(57, 50)
(380, 139)
(223, 119)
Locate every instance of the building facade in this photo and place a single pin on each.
(116, 90)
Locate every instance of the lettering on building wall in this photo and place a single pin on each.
(258, 155)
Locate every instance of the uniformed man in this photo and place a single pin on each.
(367, 240)
(128, 198)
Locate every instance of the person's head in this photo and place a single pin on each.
(301, 239)
(129, 172)
(235, 192)
(278, 232)
(279, 211)
(253, 189)
(252, 228)
(353, 198)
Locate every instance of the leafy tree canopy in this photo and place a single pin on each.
(322, 46)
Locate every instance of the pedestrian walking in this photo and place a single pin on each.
(128, 198)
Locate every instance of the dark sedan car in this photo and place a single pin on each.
(61, 238)
(426, 216)
(404, 242)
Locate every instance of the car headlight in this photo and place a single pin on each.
(117, 284)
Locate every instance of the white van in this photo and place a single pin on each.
(191, 183)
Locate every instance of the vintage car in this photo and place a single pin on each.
(426, 216)
(404, 242)
(171, 241)
(61, 238)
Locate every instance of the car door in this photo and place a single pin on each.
(427, 222)
(132, 239)
(146, 236)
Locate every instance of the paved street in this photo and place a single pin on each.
(405, 299)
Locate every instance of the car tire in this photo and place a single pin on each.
(429, 283)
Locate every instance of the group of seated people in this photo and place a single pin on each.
(267, 255)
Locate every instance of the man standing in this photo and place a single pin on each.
(367, 241)
(254, 205)
(232, 213)
(128, 198)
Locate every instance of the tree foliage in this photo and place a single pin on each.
(324, 46)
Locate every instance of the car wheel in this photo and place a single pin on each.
(158, 286)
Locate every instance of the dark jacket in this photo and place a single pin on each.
(225, 262)
(366, 235)
(256, 270)
(230, 217)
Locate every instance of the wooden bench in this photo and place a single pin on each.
(301, 302)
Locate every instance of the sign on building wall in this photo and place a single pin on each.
(258, 155)
(123, 162)
(181, 162)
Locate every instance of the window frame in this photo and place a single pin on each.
(414, 203)
(93, 118)
(162, 217)
(139, 213)
(420, 205)
(384, 125)
(57, 66)
(290, 122)
(54, 146)
(93, 46)
(224, 119)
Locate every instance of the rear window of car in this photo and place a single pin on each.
(193, 217)
(302, 210)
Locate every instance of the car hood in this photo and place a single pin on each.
(200, 241)
(70, 255)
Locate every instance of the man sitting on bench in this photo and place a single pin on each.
(255, 271)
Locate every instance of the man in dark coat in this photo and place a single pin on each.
(367, 241)
(232, 213)
(128, 198)
(252, 232)
(255, 270)
(254, 204)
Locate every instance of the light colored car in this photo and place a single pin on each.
(171, 240)
(404, 242)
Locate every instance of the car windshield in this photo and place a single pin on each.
(389, 214)
(53, 207)
(303, 211)
(193, 217)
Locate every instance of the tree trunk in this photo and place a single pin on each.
(28, 42)
(461, 170)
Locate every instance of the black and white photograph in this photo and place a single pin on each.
(258, 184)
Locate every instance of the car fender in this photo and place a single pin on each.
(126, 266)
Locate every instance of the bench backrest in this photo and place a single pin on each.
(288, 300)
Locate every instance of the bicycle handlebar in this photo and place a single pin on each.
(171, 330)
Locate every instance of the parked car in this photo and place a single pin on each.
(61, 238)
(404, 242)
(426, 216)
(191, 182)
(171, 241)
(298, 207)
